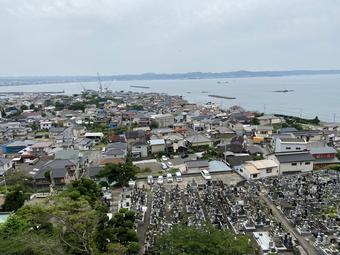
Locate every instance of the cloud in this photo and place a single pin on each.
(133, 36)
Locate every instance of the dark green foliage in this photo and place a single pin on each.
(84, 188)
(212, 153)
(73, 222)
(154, 124)
(77, 106)
(296, 120)
(136, 107)
(23, 107)
(255, 121)
(59, 106)
(206, 240)
(120, 173)
(14, 200)
(257, 157)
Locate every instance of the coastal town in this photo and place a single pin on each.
(272, 178)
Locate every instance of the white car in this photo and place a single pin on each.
(164, 166)
(164, 158)
(178, 176)
(169, 164)
(206, 175)
(150, 179)
(169, 177)
(160, 179)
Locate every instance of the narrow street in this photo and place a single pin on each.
(141, 231)
(307, 246)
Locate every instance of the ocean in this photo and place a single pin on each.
(314, 95)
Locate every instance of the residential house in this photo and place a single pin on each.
(45, 124)
(195, 166)
(217, 166)
(235, 160)
(252, 170)
(293, 162)
(139, 150)
(197, 139)
(264, 131)
(62, 171)
(157, 145)
(237, 144)
(133, 137)
(41, 148)
(95, 136)
(83, 144)
(174, 142)
(163, 120)
(221, 132)
(287, 144)
(324, 156)
(269, 120)
(16, 146)
(116, 150)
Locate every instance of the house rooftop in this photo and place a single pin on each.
(292, 140)
(264, 163)
(197, 164)
(298, 156)
(323, 150)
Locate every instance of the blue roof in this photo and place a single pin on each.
(218, 166)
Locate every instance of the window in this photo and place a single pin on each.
(254, 175)
(294, 164)
(269, 170)
(298, 148)
(307, 163)
(288, 148)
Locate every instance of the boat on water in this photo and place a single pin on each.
(283, 91)
(223, 97)
(141, 87)
(223, 82)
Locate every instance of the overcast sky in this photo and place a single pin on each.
(70, 37)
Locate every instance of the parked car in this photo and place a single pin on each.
(169, 177)
(150, 179)
(164, 166)
(169, 164)
(206, 175)
(160, 179)
(184, 156)
(178, 176)
(164, 158)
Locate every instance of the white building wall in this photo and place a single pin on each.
(299, 167)
(285, 146)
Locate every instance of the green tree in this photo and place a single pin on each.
(77, 106)
(23, 107)
(120, 173)
(255, 121)
(14, 200)
(59, 106)
(206, 240)
(154, 124)
(85, 188)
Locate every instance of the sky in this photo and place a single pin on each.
(83, 37)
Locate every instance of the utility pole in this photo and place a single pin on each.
(334, 117)
(300, 113)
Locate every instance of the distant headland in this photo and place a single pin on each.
(25, 80)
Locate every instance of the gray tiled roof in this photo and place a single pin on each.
(287, 157)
